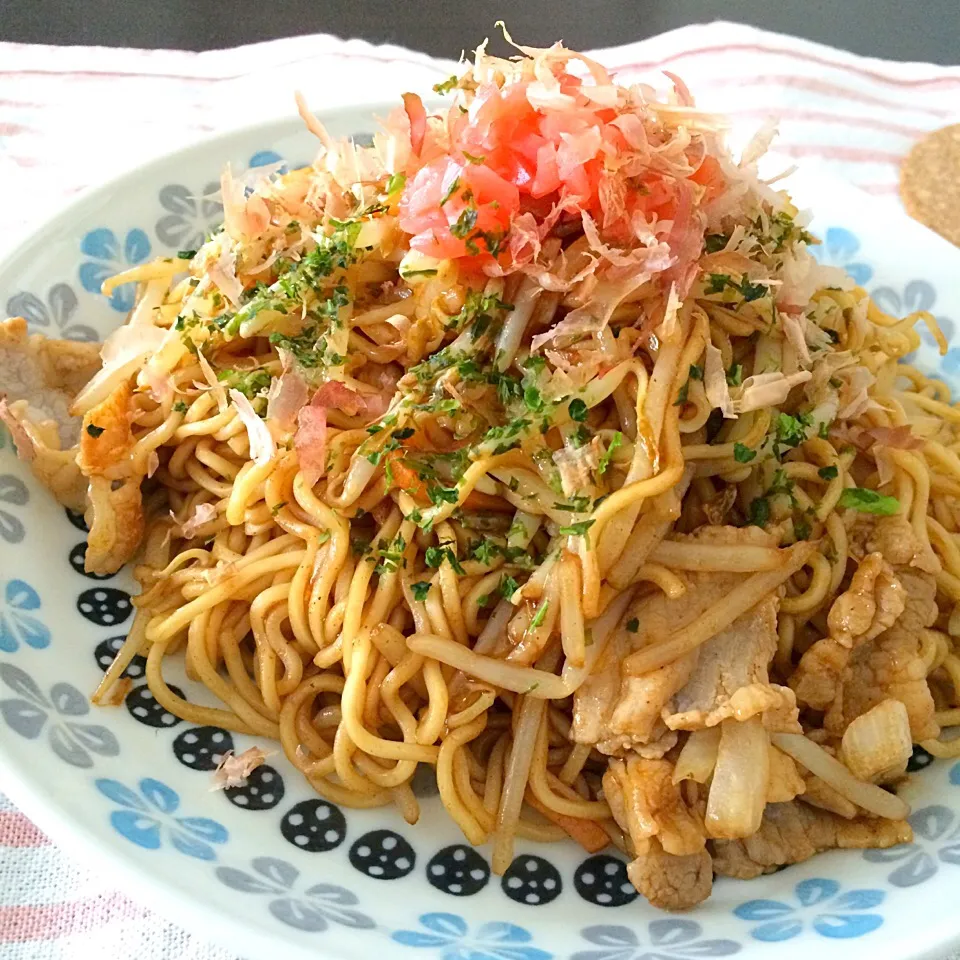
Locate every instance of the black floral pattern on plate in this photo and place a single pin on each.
(105, 606)
(146, 709)
(202, 748)
(919, 760)
(458, 870)
(383, 855)
(77, 555)
(106, 650)
(603, 880)
(314, 825)
(532, 880)
(263, 790)
(76, 519)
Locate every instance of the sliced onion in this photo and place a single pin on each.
(507, 676)
(123, 353)
(871, 798)
(493, 630)
(704, 557)
(515, 780)
(738, 793)
(515, 324)
(877, 744)
(698, 756)
(600, 630)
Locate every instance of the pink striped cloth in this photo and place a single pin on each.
(72, 117)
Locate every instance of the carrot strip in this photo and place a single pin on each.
(588, 833)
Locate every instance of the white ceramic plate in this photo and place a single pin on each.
(272, 869)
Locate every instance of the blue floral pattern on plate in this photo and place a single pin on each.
(109, 256)
(819, 904)
(449, 935)
(839, 249)
(264, 158)
(919, 295)
(16, 626)
(667, 939)
(149, 816)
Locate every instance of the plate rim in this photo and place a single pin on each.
(124, 871)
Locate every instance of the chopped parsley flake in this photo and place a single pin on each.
(869, 501)
(434, 557)
(717, 282)
(540, 615)
(752, 291)
(792, 431)
(759, 512)
(251, 383)
(743, 453)
(420, 590)
(828, 473)
(407, 274)
(94, 430)
(465, 223)
(533, 400)
(781, 484)
(580, 436)
(576, 505)
(577, 529)
(447, 85)
(440, 494)
(390, 555)
(615, 441)
(451, 190)
(633, 625)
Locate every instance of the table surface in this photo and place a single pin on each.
(916, 30)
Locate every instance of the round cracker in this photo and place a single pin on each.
(930, 182)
